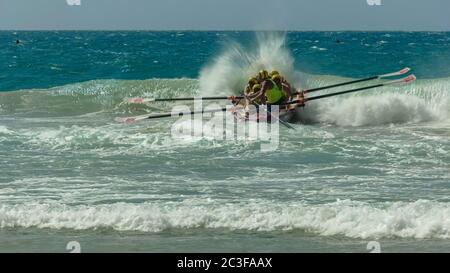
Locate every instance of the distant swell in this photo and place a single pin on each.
(420, 219)
(92, 96)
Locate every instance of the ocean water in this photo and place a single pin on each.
(371, 166)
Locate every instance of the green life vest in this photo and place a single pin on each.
(275, 94)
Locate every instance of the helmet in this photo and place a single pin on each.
(263, 74)
(276, 77)
(273, 73)
(256, 87)
(252, 81)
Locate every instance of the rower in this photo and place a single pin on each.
(262, 76)
(284, 82)
(273, 91)
(256, 95)
(283, 85)
(273, 73)
(249, 88)
(252, 98)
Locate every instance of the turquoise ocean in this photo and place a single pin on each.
(369, 166)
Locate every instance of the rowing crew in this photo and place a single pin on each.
(272, 89)
(269, 89)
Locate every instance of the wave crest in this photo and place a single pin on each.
(420, 219)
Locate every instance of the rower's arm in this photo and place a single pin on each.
(247, 89)
(262, 95)
(258, 94)
(286, 90)
(255, 95)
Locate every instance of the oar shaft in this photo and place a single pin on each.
(401, 72)
(408, 79)
(200, 98)
(339, 84)
(166, 115)
(398, 73)
(344, 92)
(296, 93)
(292, 102)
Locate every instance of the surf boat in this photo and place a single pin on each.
(287, 110)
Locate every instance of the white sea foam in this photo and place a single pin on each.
(422, 101)
(119, 139)
(5, 133)
(318, 48)
(4, 130)
(375, 110)
(420, 219)
(72, 137)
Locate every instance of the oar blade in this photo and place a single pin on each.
(407, 79)
(131, 119)
(125, 120)
(410, 79)
(398, 73)
(139, 100)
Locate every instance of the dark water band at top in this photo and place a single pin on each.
(47, 59)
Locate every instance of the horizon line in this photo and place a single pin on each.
(224, 30)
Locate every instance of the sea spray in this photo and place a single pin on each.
(229, 72)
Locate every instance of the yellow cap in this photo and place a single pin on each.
(276, 77)
(252, 81)
(256, 87)
(263, 74)
(273, 73)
